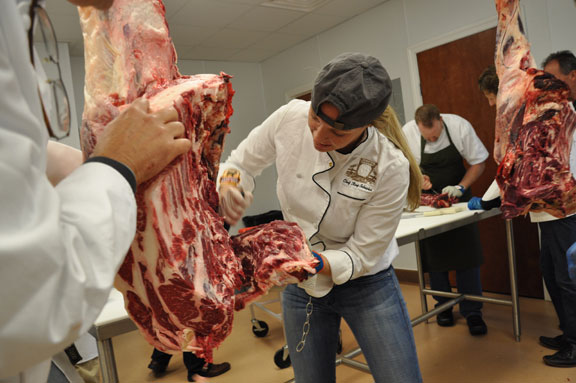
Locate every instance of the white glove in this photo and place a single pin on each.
(233, 203)
(454, 191)
(317, 285)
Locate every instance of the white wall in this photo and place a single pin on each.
(390, 30)
(387, 32)
(248, 104)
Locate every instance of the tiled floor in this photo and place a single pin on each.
(447, 355)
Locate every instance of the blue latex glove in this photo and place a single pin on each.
(571, 258)
(475, 203)
(319, 284)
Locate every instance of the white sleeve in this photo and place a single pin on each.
(473, 150)
(257, 151)
(492, 192)
(60, 247)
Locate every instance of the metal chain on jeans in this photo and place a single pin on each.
(306, 326)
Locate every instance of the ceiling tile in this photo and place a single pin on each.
(265, 19)
(278, 41)
(222, 29)
(233, 38)
(312, 24)
(347, 8)
(250, 2)
(208, 53)
(173, 6)
(189, 35)
(201, 13)
(254, 54)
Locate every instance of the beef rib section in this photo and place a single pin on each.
(180, 274)
(534, 127)
(274, 253)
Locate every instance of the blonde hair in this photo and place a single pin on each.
(389, 126)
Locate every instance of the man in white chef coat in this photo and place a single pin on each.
(60, 246)
(441, 143)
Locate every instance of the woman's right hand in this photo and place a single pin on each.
(426, 184)
(233, 203)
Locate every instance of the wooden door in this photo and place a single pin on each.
(449, 79)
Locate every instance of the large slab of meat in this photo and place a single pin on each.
(181, 273)
(534, 127)
(267, 253)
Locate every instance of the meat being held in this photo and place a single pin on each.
(534, 127)
(437, 200)
(180, 275)
(271, 254)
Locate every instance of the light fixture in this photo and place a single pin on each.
(296, 5)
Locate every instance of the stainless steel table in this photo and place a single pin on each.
(415, 229)
(114, 319)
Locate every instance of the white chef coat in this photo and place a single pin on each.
(462, 134)
(348, 205)
(59, 247)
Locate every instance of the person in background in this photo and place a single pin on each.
(194, 365)
(355, 182)
(440, 143)
(556, 237)
(388, 125)
(61, 246)
(488, 84)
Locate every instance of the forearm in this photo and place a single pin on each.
(472, 174)
(61, 161)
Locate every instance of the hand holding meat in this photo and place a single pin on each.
(453, 191)
(317, 285)
(145, 142)
(233, 203)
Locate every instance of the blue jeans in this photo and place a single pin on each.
(374, 309)
(467, 281)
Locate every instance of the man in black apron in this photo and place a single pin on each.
(459, 249)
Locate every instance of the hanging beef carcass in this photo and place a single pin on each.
(534, 127)
(181, 273)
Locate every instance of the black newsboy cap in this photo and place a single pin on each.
(356, 84)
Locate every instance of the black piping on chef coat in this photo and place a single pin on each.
(460, 248)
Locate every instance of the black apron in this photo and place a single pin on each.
(460, 248)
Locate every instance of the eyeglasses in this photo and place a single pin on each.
(53, 96)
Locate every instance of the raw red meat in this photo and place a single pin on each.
(181, 273)
(437, 200)
(271, 254)
(534, 127)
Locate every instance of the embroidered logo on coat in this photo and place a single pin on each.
(362, 174)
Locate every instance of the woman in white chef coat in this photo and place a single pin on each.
(60, 247)
(345, 185)
(440, 143)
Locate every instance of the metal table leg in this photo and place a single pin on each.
(423, 301)
(513, 279)
(107, 361)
